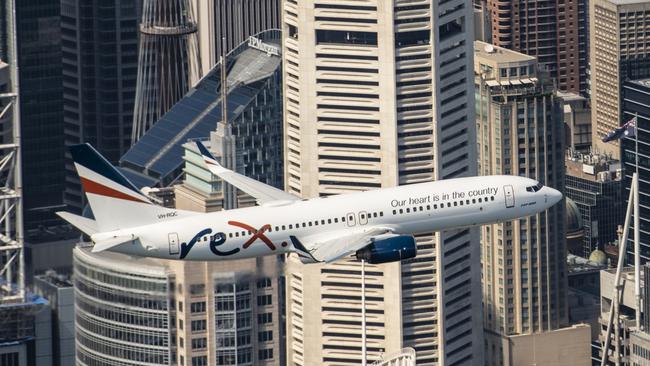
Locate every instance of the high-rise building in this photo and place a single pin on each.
(376, 96)
(41, 110)
(229, 23)
(168, 60)
(100, 64)
(577, 118)
(520, 132)
(635, 101)
(594, 183)
(617, 52)
(553, 31)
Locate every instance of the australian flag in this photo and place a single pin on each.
(627, 130)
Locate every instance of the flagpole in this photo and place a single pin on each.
(637, 256)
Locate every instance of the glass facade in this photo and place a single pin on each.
(41, 100)
(123, 313)
(100, 63)
(636, 103)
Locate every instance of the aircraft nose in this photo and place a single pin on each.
(554, 196)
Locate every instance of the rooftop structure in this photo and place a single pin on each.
(156, 160)
(168, 63)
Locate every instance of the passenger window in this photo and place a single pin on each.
(329, 221)
(304, 224)
(374, 214)
(230, 234)
(309, 223)
(316, 223)
(480, 200)
(401, 211)
(448, 204)
(243, 233)
(237, 234)
(492, 198)
(473, 200)
(455, 203)
(290, 226)
(381, 213)
(394, 212)
(428, 207)
(336, 220)
(363, 216)
(408, 210)
(435, 206)
(467, 202)
(343, 219)
(322, 222)
(461, 203)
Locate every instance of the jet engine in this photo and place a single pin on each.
(395, 248)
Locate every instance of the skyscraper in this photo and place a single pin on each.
(100, 63)
(636, 104)
(374, 97)
(520, 132)
(41, 110)
(553, 31)
(229, 23)
(617, 51)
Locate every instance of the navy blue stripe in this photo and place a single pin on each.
(86, 156)
(204, 151)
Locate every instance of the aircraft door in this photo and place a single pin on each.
(173, 243)
(509, 193)
(351, 219)
(363, 217)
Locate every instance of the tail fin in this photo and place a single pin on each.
(114, 200)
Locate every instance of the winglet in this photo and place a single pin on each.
(208, 158)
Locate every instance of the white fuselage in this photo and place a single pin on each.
(411, 209)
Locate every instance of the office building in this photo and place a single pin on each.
(229, 23)
(174, 312)
(553, 31)
(617, 51)
(636, 104)
(168, 60)
(375, 96)
(41, 110)
(254, 109)
(594, 183)
(520, 132)
(25, 334)
(57, 289)
(100, 63)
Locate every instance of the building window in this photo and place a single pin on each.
(197, 289)
(197, 307)
(266, 282)
(265, 354)
(200, 361)
(264, 318)
(198, 325)
(265, 336)
(199, 343)
(264, 300)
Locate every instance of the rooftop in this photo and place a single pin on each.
(487, 51)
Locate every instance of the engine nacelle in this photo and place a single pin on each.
(392, 249)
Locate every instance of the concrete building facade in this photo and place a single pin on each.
(617, 52)
(520, 132)
(378, 94)
(553, 31)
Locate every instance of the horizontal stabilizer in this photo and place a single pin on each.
(88, 226)
(105, 244)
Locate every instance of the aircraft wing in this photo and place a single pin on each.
(337, 245)
(263, 193)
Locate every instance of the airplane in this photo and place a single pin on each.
(376, 226)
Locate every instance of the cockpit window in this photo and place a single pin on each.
(534, 188)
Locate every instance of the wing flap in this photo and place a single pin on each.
(339, 245)
(263, 193)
